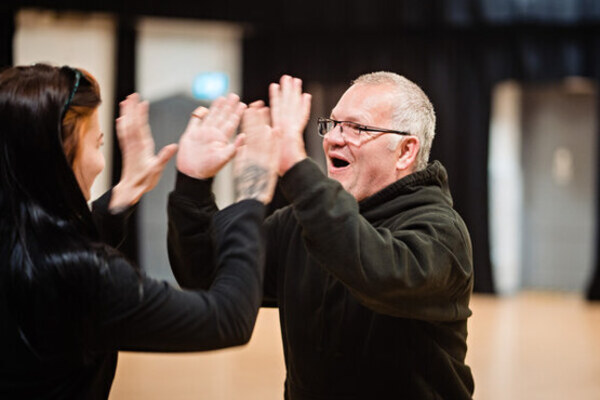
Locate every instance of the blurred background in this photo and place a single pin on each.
(514, 84)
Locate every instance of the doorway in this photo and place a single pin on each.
(551, 145)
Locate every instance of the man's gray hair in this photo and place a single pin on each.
(413, 112)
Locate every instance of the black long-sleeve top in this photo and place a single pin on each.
(373, 296)
(72, 350)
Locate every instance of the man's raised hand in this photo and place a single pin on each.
(257, 161)
(290, 110)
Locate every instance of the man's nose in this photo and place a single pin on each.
(335, 136)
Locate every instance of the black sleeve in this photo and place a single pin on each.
(191, 232)
(112, 227)
(132, 313)
(414, 270)
(272, 264)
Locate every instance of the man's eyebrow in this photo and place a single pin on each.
(352, 118)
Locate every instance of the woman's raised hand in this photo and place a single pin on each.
(142, 168)
(206, 145)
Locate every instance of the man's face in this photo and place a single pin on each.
(366, 167)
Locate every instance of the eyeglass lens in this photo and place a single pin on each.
(350, 132)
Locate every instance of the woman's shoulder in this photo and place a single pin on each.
(86, 268)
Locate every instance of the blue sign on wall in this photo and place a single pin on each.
(210, 85)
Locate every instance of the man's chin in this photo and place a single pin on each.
(341, 180)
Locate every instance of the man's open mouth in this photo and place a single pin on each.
(339, 163)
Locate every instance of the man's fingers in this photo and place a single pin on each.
(256, 119)
(264, 116)
(286, 88)
(290, 88)
(274, 89)
(297, 86)
(276, 142)
(288, 103)
(306, 99)
(293, 94)
(256, 104)
(274, 103)
(285, 81)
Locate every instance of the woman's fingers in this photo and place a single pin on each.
(224, 114)
(165, 154)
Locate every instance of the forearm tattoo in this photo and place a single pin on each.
(251, 182)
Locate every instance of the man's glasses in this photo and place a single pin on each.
(351, 131)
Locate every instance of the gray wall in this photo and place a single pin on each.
(168, 119)
(559, 175)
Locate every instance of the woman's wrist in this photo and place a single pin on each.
(123, 196)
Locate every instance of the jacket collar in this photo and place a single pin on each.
(433, 179)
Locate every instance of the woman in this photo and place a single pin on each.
(68, 301)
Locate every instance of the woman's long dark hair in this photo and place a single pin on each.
(45, 223)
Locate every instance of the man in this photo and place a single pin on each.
(371, 268)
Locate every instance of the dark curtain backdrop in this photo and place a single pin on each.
(7, 31)
(125, 85)
(593, 292)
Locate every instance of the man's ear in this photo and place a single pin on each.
(407, 156)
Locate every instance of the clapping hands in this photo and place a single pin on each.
(208, 143)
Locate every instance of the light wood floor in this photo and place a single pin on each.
(529, 346)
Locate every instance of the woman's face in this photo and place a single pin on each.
(89, 160)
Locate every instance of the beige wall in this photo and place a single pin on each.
(78, 40)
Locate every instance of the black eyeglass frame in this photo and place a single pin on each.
(359, 127)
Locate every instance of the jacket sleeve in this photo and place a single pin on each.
(133, 313)
(112, 227)
(273, 245)
(416, 270)
(193, 215)
(191, 233)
